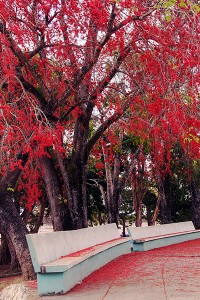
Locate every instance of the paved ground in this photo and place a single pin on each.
(167, 273)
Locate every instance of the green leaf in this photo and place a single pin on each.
(196, 8)
(182, 4)
(195, 138)
(169, 3)
(168, 16)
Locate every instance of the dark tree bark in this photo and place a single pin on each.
(149, 215)
(25, 215)
(76, 165)
(165, 198)
(14, 230)
(53, 191)
(7, 253)
(11, 223)
(5, 256)
(117, 189)
(156, 211)
(138, 184)
(195, 189)
(69, 221)
(73, 214)
(115, 186)
(76, 171)
(137, 204)
(40, 217)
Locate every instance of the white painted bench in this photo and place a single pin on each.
(150, 237)
(62, 259)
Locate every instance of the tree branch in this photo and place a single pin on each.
(104, 83)
(52, 104)
(133, 19)
(30, 88)
(10, 179)
(103, 127)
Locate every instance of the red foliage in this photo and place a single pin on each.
(64, 63)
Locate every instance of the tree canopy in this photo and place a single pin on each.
(74, 72)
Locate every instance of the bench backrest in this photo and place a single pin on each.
(45, 247)
(151, 231)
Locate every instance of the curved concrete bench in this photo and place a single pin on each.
(150, 237)
(62, 259)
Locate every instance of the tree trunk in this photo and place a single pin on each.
(137, 204)
(195, 188)
(114, 187)
(53, 191)
(8, 253)
(40, 217)
(74, 174)
(11, 224)
(14, 230)
(72, 214)
(76, 164)
(77, 180)
(165, 201)
(25, 215)
(156, 211)
(138, 222)
(69, 222)
(117, 189)
(109, 189)
(149, 214)
(5, 257)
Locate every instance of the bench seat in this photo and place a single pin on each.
(65, 263)
(63, 259)
(151, 237)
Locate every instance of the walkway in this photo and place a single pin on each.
(167, 273)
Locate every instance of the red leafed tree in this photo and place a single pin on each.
(67, 66)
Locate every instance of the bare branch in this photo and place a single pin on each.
(105, 125)
(132, 19)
